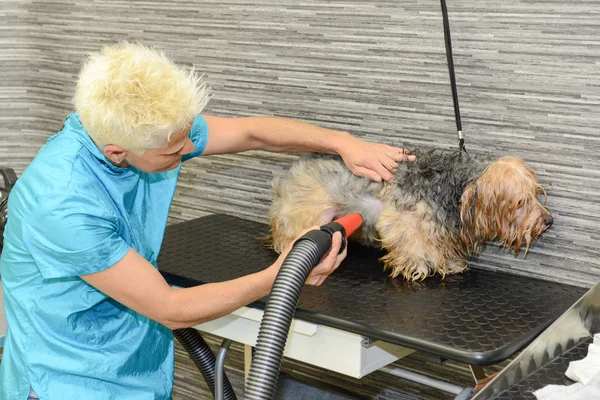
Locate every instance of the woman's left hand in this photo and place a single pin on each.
(373, 160)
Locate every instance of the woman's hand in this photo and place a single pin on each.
(373, 160)
(327, 265)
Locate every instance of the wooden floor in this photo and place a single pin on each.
(377, 386)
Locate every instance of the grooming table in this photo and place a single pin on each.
(477, 317)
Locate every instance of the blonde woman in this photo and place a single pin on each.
(89, 315)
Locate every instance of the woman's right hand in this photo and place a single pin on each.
(327, 265)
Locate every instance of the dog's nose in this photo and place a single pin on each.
(548, 220)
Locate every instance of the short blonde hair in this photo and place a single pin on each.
(134, 97)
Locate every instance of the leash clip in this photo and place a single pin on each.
(461, 142)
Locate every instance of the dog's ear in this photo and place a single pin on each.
(468, 218)
(467, 204)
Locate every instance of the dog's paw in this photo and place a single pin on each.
(456, 266)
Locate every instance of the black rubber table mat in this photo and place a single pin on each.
(552, 373)
(477, 317)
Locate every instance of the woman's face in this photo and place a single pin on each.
(156, 160)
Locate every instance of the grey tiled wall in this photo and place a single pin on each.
(527, 73)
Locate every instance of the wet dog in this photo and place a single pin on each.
(431, 218)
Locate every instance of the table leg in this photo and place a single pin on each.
(247, 361)
(477, 372)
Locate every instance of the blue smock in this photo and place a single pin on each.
(73, 213)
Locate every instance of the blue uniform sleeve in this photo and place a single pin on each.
(199, 136)
(71, 235)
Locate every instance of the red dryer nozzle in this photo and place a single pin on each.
(350, 222)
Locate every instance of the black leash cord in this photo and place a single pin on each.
(448, 42)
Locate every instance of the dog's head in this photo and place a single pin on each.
(503, 204)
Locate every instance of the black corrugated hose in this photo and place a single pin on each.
(280, 308)
(204, 359)
(305, 254)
